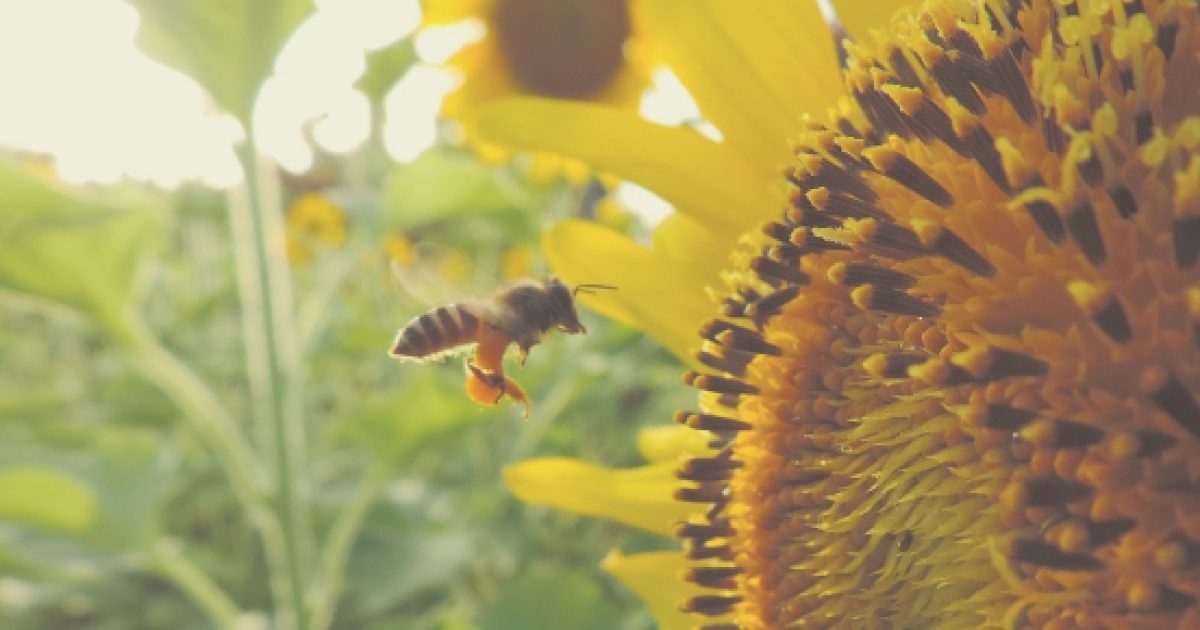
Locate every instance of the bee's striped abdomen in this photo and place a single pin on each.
(436, 331)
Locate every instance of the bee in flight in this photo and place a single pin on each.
(522, 314)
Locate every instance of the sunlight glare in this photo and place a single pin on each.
(78, 90)
(375, 23)
(346, 125)
(642, 203)
(667, 102)
(412, 111)
(436, 44)
(312, 91)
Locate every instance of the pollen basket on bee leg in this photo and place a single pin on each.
(481, 390)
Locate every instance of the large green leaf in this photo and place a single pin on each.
(542, 601)
(46, 498)
(390, 571)
(68, 249)
(389, 424)
(132, 472)
(442, 184)
(229, 46)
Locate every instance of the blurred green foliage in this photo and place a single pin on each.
(125, 400)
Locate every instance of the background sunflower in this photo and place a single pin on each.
(585, 50)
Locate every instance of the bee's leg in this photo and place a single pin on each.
(483, 387)
(515, 392)
(487, 388)
(489, 354)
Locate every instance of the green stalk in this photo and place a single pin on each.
(201, 408)
(331, 568)
(278, 382)
(211, 422)
(169, 561)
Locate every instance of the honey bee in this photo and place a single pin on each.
(520, 314)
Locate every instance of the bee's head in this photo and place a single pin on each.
(562, 305)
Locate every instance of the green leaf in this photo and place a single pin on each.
(389, 426)
(229, 46)
(71, 250)
(549, 601)
(441, 184)
(384, 69)
(390, 571)
(131, 474)
(117, 486)
(47, 498)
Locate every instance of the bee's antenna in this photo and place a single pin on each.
(591, 288)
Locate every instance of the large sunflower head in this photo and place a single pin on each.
(955, 384)
(955, 381)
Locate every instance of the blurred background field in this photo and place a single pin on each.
(179, 391)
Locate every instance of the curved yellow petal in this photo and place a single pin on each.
(639, 497)
(667, 443)
(704, 179)
(660, 297)
(655, 577)
(860, 16)
(753, 68)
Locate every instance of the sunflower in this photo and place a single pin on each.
(952, 378)
(581, 50)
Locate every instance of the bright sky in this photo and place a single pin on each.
(80, 91)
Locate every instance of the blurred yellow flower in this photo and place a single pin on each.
(399, 250)
(517, 262)
(313, 223)
(455, 267)
(952, 379)
(564, 49)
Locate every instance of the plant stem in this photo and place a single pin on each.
(204, 412)
(170, 562)
(211, 422)
(280, 377)
(314, 307)
(331, 568)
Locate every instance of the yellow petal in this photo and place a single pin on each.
(682, 239)
(658, 296)
(860, 16)
(705, 180)
(447, 11)
(656, 579)
(753, 68)
(639, 497)
(668, 443)
(483, 81)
